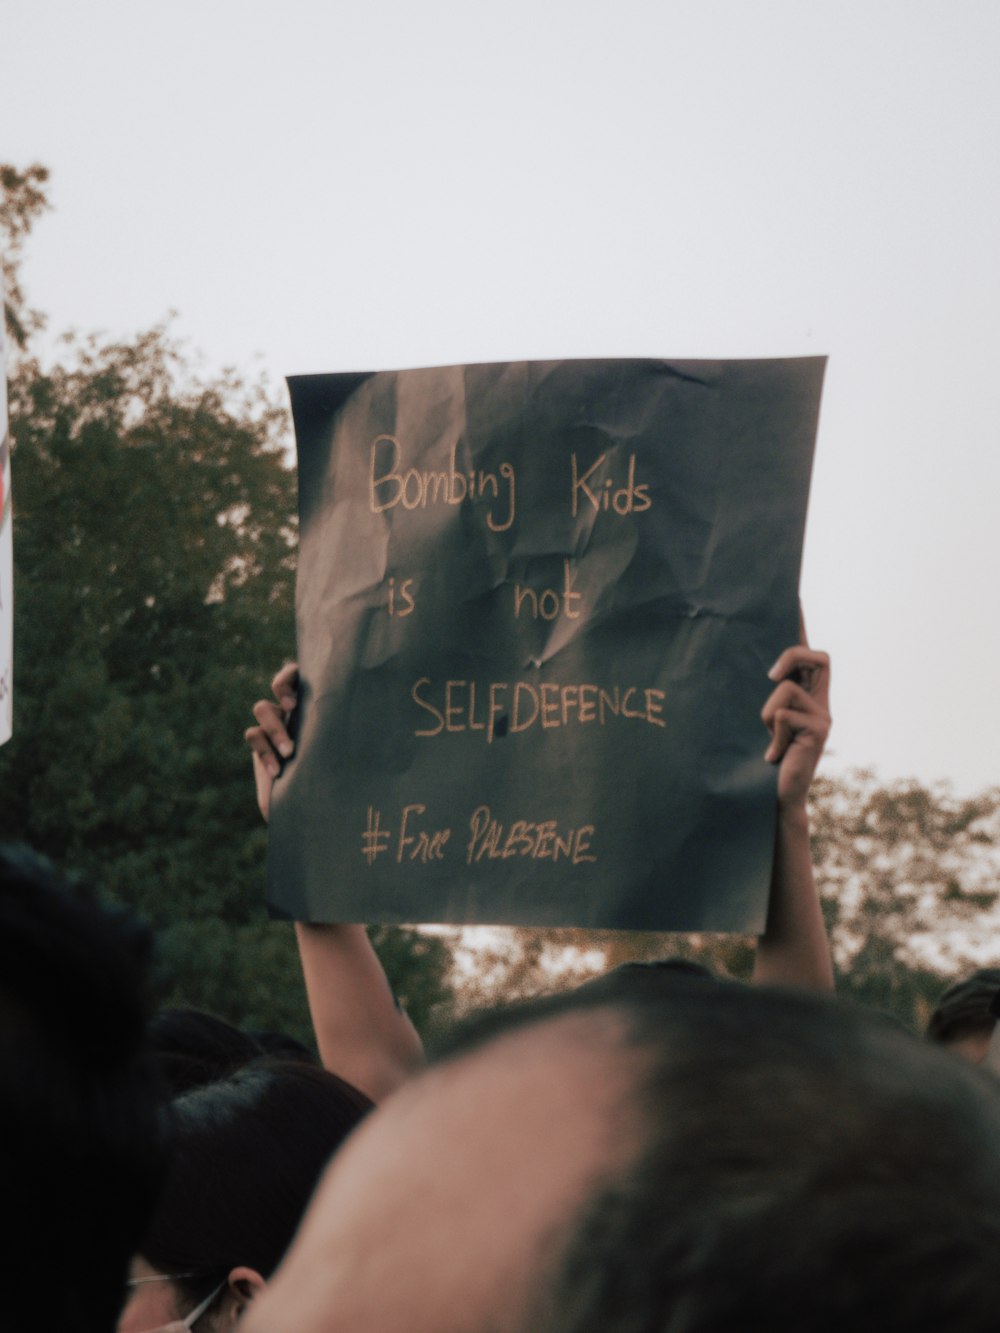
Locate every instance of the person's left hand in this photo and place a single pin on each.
(269, 741)
(797, 714)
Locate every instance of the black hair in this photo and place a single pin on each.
(798, 1164)
(964, 1008)
(246, 1154)
(283, 1046)
(192, 1047)
(80, 1120)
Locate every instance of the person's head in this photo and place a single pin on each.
(80, 1124)
(673, 1155)
(246, 1153)
(962, 1019)
(192, 1048)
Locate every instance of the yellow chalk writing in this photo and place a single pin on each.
(499, 708)
(389, 485)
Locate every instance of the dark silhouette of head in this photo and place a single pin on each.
(80, 1125)
(246, 1153)
(963, 1017)
(662, 1154)
(193, 1047)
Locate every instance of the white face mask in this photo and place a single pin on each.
(188, 1322)
(198, 1310)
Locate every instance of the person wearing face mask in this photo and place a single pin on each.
(245, 1155)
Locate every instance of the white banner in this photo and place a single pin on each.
(6, 558)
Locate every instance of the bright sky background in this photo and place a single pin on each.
(326, 186)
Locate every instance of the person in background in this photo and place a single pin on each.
(246, 1152)
(192, 1048)
(362, 1033)
(964, 1018)
(794, 949)
(81, 1132)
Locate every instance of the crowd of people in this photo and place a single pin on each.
(657, 1151)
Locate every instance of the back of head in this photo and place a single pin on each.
(245, 1156)
(192, 1048)
(662, 1154)
(79, 1103)
(805, 1166)
(964, 1008)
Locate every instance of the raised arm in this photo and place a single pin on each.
(361, 1032)
(794, 949)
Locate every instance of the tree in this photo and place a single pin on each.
(155, 546)
(910, 884)
(154, 566)
(22, 199)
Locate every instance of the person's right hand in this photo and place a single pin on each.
(269, 740)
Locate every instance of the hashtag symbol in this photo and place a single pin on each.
(375, 839)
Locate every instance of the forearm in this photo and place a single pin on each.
(361, 1033)
(794, 949)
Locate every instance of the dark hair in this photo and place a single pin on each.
(803, 1165)
(246, 1154)
(964, 1008)
(192, 1047)
(283, 1046)
(80, 1125)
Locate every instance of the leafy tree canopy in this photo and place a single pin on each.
(154, 546)
(154, 567)
(22, 199)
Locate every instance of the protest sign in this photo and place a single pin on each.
(536, 606)
(6, 558)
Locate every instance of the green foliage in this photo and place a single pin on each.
(155, 545)
(22, 199)
(154, 567)
(419, 969)
(250, 973)
(247, 973)
(910, 886)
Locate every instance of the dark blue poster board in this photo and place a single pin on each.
(536, 606)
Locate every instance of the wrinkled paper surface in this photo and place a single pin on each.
(536, 606)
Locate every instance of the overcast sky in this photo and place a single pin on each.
(328, 186)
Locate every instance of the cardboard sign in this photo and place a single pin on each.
(6, 559)
(536, 607)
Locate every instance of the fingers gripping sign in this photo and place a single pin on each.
(361, 1032)
(270, 742)
(797, 714)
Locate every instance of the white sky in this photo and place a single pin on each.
(325, 186)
